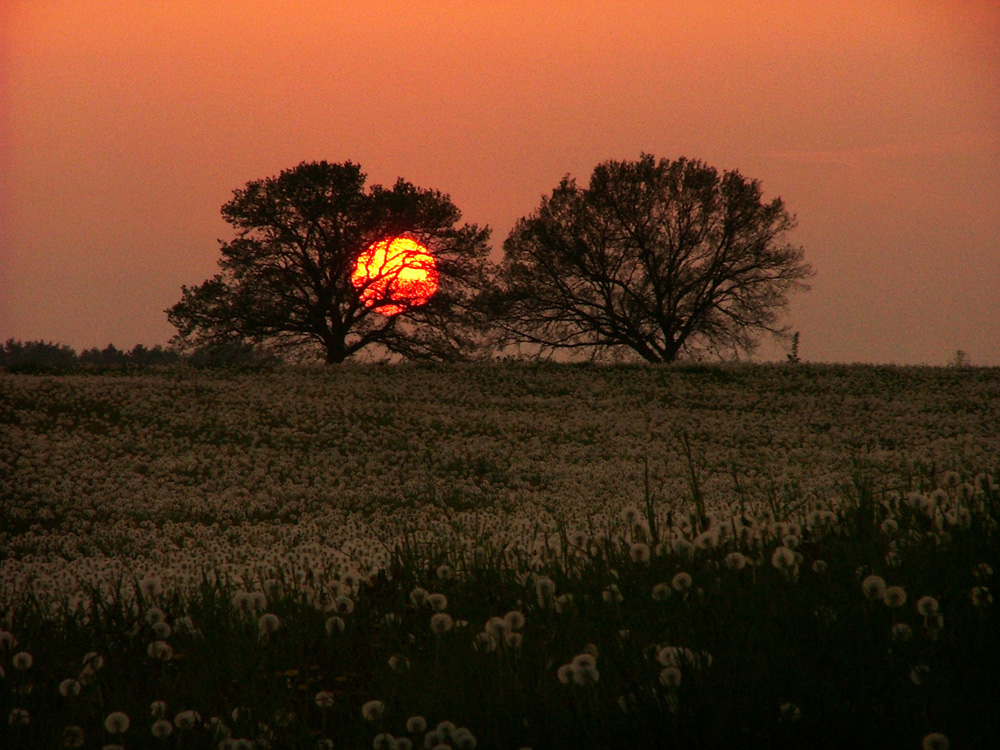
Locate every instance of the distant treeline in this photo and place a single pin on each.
(53, 358)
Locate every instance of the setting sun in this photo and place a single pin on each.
(398, 269)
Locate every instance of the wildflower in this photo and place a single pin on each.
(418, 596)
(162, 630)
(335, 624)
(612, 594)
(935, 741)
(894, 596)
(19, 717)
(445, 572)
(927, 606)
(154, 615)
(639, 552)
(22, 661)
(661, 592)
(901, 632)
(162, 729)
(383, 741)
(514, 620)
(72, 737)
(437, 602)
(372, 710)
(735, 561)
(343, 604)
(441, 622)
(398, 663)
(160, 650)
(874, 587)
(268, 623)
(819, 566)
(69, 687)
(187, 719)
(416, 724)
(565, 673)
(682, 582)
(116, 722)
(324, 699)
(791, 541)
(631, 515)
(435, 739)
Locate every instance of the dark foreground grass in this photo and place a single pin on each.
(782, 652)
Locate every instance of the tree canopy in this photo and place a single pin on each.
(286, 276)
(654, 257)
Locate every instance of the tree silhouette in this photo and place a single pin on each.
(286, 276)
(659, 257)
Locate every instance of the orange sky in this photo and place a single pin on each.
(125, 125)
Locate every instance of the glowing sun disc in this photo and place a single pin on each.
(400, 270)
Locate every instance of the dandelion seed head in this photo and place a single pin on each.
(735, 561)
(187, 720)
(927, 606)
(335, 625)
(22, 661)
(437, 602)
(935, 741)
(670, 677)
(873, 587)
(372, 710)
(416, 724)
(69, 687)
(324, 699)
(162, 729)
(901, 632)
(268, 623)
(894, 596)
(72, 737)
(682, 582)
(19, 717)
(116, 722)
(441, 622)
(661, 592)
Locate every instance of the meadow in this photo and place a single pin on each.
(501, 555)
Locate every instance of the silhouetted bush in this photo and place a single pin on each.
(232, 356)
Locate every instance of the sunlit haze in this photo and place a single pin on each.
(124, 127)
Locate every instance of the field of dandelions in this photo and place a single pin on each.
(501, 556)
